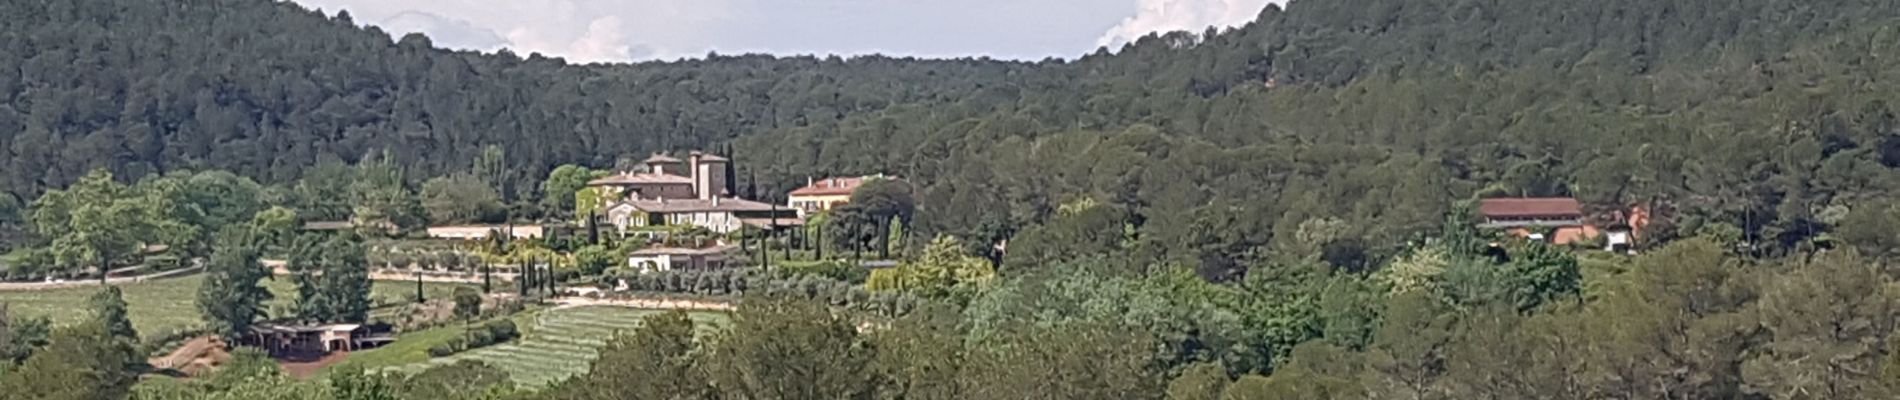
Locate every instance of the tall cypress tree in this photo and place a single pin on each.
(731, 185)
(593, 228)
(521, 281)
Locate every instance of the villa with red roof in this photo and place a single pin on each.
(824, 194)
(1561, 216)
(671, 192)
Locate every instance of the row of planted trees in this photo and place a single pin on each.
(734, 283)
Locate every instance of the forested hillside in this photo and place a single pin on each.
(1763, 119)
(270, 89)
(1278, 211)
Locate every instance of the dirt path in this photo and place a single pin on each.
(426, 277)
(195, 357)
(183, 356)
(13, 286)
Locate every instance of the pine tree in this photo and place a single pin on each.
(109, 309)
(232, 296)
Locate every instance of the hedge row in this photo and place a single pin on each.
(741, 282)
(488, 334)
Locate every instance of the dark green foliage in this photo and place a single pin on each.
(1245, 131)
(108, 309)
(1074, 361)
(448, 348)
(352, 383)
(12, 211)
(557, 192)
(232, 296)
(834, 270)
(654, 361)
(789, 350)
(1252, 203)
(1545, 274)
(99, 223)
(83, 362)
(738, 283)
(1199, 382)
(468, 302)
(332, 278)
(479, 336)
(595, 259)
(460, 199)
(20, 337)
(465, 379)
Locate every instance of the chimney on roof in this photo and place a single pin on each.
(692, 171)
(808, 180)
(710, 174)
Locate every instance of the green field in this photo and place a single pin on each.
(560, 343)
(166, 305)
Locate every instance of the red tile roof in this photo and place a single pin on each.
(700, 205)
(1530, 207)
(641, 179)
(682, 251)
(830, 187)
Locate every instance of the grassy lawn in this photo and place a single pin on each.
(166, 305)
(155, 307)
(558, 344)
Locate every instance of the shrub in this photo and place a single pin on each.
(738, 282)
(502, 330)
(468, 302)
(459, 344)
(27, 263)
(441, 350)
(594, 259)
(484, 335)
(477, 338)
(836, 270)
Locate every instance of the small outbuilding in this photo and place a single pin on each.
(1562, 217)
(285, 339)
(655, 259)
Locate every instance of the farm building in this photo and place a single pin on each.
(694, 192)
(315, 339)
(658, 259)
(1531, 218)
(722, 215)
(825, 194)
(479, 232)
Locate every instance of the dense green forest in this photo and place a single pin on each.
(1766, 118)
(1276, 211)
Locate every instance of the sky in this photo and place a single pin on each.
(587, 31)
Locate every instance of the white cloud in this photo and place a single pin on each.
(443, 31)
(1176, 15)
(604, 41)
(635, 30)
